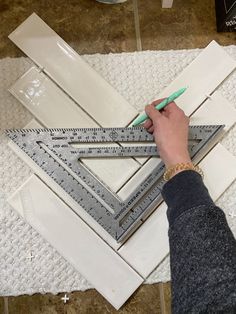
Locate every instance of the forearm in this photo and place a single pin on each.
(202, 247)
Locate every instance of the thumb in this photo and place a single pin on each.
(152, 112)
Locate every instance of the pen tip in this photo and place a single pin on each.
(182, 90)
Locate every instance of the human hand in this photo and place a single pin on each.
(170, 130)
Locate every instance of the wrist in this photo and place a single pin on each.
(176, 172)
(179, 167)
(176, 159)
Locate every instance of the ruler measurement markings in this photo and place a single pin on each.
(97, 188)
(111, 203)
(141, 202)
(77, 188)
(89, 136)
(140, 191)
(51, 173)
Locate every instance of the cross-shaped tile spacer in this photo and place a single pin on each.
(31, 256)
(65, 298)
(232, 214)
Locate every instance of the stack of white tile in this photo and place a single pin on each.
(63, 91)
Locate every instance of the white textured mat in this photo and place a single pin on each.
(139, 77)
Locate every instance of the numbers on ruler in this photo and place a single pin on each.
(82, 188)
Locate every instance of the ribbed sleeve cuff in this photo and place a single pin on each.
(184, 191)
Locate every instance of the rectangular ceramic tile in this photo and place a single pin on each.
(149, 245)
(75, 241)
(136, 179)
(219, 168)
(215, 110)
(54, 109)
(202, 76)
(59, 191)
(33, 124)
(72, 73)
(48, 103)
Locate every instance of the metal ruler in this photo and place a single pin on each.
(53, 150)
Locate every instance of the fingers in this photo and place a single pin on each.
(171, 107)
(147, 124)
(155, 114)
(157, 102)
(168, 109)
(152, 112)
(172, 110)
(151, 129)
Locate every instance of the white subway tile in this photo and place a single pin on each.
(75, 241)
(54, 109)
(90, 91)
(215, 110)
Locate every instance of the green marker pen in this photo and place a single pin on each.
(160, 106)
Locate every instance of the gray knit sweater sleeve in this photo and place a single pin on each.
(202, 248)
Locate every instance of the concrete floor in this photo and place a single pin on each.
(91, 27)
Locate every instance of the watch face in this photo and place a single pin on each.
(226, 15)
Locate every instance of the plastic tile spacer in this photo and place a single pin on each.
(208, 96)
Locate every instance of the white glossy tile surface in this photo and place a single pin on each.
(33, 124)
(54, 109)
(72, 73)
(48, 103)
(202, 76)
(78, 244)
(149, 245)
(215, 110)
(219, 168)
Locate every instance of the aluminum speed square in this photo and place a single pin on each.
(54, 151)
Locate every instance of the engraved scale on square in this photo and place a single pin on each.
(52, 151)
